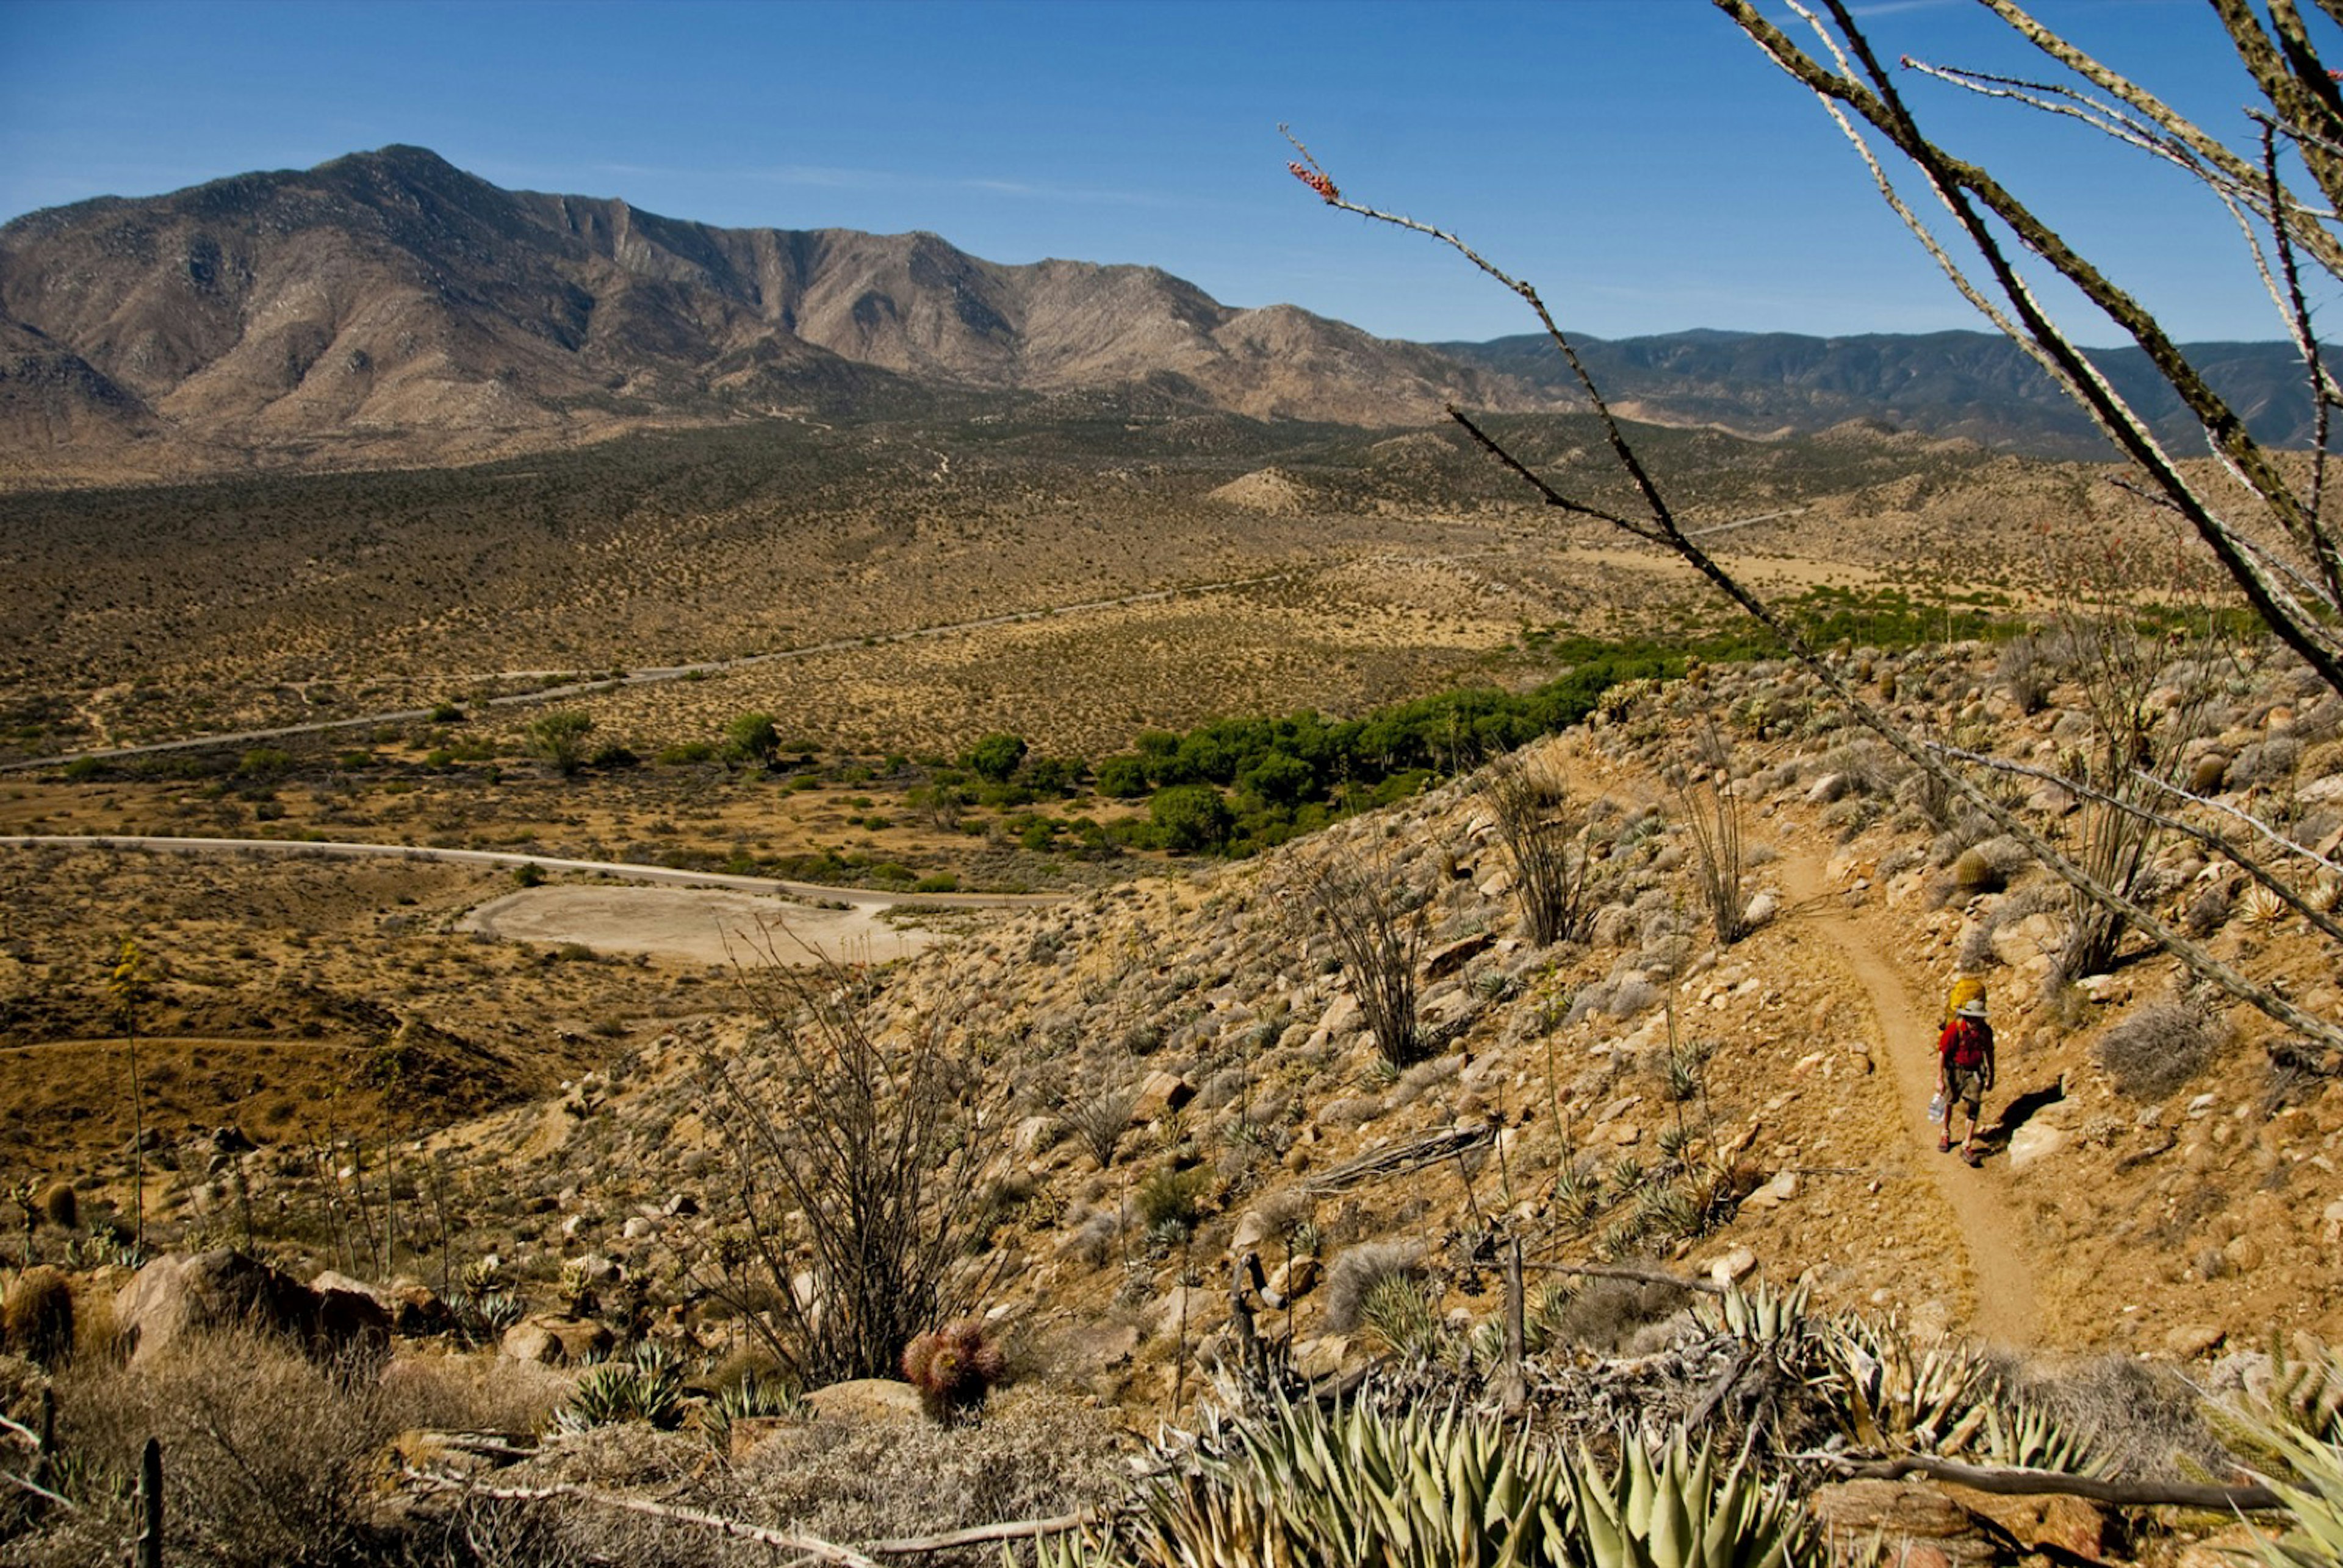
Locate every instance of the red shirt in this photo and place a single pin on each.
(1965, 1042)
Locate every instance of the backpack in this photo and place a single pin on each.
(1971, 1041)
(1965, 990)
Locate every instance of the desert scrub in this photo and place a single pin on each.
(37, 1321)
(2160, 1047)
(1359, 1270)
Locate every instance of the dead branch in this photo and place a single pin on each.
(2034, 1483)
(1642, 1276)
(808, 1545)
(978, 1534)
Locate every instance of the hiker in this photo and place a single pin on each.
(1963, 1072)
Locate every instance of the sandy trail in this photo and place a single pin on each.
(1905, 1027)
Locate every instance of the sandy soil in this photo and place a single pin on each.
(698, 925)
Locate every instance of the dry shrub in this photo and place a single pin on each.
(268, 1459)
(38, 1322)
(2142, 1417)
(2160, 1047)
(1035, 1454)
(61, 1205)
(1357, 1271)
(1604, 1315)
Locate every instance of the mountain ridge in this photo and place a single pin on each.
(388, 306)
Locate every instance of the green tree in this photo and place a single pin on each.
(995, 758)
(559, 738)
(1123, 778)
(752, 738)
(1193, 817)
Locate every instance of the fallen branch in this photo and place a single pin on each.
(2029, 1483)
(1399, 1159)
(978, 1534)
(1642, 1276)
(807, 1546)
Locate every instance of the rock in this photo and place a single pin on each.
(1194, 1305)
(1445, 962)
(1096, 1347)
(549, 1339)
(2071, 1527)
(2018, 942)
(2331, 1223)
(1760, 910)
(176, 1292)
(2194, 1341)
(1162, 1093)
(1929, 1527)
(1293, 1279)
(1498, 885)
(1775, 1193)
(636, 1227)
(1618, 1134)
(1826, 789)
(2105, 989)
(1251, 1233)
(1343, 1019)
(2244, 1253)
(593, 1268)
(1321, 1357)
(2229, 1548)
(1732, 1266)
(867, 1399)
(1029, 1134)
(462, 1454)
(2035, 1141)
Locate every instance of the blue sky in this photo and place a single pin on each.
(1637, 158)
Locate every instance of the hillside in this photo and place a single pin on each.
(1186, 1075)
(388, 306)
(1967, 386)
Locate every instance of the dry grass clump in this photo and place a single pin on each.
(37, 1321)
(2160, 1047)
(2142, 1418)
(269, 1458)
(1035, 1453)
(1359, 1270)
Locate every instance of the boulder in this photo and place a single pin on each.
(1160, 1094)
(2069, 1527)
(1923, 1527)
(1446, 961)
(868, 1401)
(1732, 1266)
(552, 1340)
(177, 1293)
(1293, 1279)
(2035, 1141)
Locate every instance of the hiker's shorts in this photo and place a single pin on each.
(1965, 1087)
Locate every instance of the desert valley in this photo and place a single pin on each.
(698, 895)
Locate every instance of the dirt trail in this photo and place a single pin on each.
(1905, 1025)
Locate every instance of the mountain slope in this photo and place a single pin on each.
(1975, 386)
(389, 302)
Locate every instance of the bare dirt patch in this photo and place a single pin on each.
(697, 925)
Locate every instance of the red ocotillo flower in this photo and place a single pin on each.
(1316, 181)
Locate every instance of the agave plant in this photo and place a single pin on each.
(2314, 1497)
(647, 1384)
(1946, 1401)
(1667, 1506)
(1764, 1317)
(1398, 1315)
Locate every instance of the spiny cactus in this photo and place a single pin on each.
(953, 1367)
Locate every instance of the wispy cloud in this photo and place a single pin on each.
(1896, 7)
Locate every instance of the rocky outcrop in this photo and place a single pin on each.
(177, 1295)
